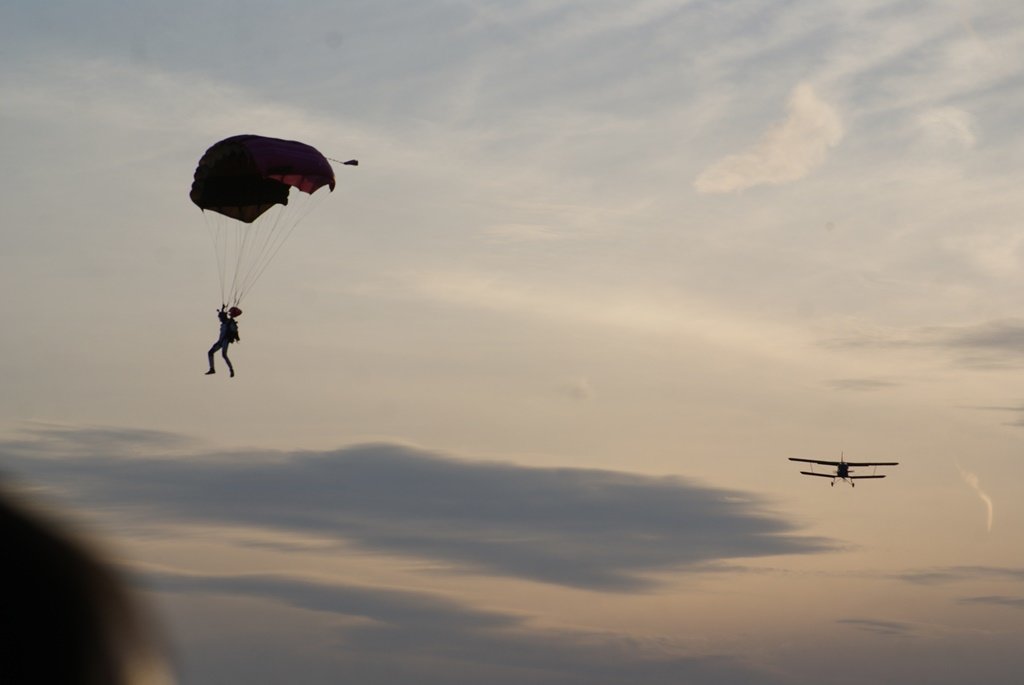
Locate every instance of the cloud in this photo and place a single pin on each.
(786, 152)
(972, 480)
(385, 633)
(679, 315)
(948, 128)
(579, 389)
(1013, 409)
(67, 441)
(566, 526)
(996, 600)
(861, 384)
(386, 606)
(889, 628)
(513, 233)
(994, 344)
(1003, 336)
(954, 574)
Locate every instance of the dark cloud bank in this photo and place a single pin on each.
(589, 529)
(577, 527)
(380, 635)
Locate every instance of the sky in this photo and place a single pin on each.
(514, 402)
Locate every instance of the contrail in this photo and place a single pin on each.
(972, 480)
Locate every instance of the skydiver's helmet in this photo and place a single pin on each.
(235, 312)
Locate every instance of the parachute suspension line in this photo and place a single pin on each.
(257, 249)
(240, 233)
(234, 244)
(275, 238)
(252, 249)
(245, 251)
(244, 234)
(214, 228)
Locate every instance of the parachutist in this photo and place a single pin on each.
(228, 335)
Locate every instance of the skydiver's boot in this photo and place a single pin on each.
(211, 371)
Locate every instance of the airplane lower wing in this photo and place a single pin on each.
(876, 476)
(826, 475)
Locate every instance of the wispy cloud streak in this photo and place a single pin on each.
(956, 574)
(996, 600)
(889, 628)
(993, 344)
(972, 480)
(786, 152)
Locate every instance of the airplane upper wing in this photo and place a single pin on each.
(848, 463)
(816, 461)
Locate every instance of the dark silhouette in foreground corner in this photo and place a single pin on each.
(66, 616)
(228, 335)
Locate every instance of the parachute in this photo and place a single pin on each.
(244, 181)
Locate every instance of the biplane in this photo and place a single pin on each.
(843, 469)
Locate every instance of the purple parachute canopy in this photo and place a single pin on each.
(244, 176)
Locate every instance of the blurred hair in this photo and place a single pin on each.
(66, 616)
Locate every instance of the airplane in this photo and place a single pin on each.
(843, 470)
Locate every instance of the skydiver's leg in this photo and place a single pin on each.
(224, 353)
(209, 356)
